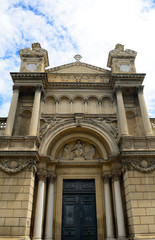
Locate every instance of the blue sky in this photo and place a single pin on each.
(64, 28)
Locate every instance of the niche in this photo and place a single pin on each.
(131, 121)
(24, 123)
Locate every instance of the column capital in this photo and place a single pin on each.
(39, 88)
(51, 177)
(106, 177)
(140, 89)
(118, 88)
(42, 175)
(16, 88)
(57, 100)
(116, 174)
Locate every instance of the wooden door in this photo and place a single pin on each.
(79, 210)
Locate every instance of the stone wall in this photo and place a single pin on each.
(140, 203)
(16, 198)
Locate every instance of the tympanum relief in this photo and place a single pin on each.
(78, 150)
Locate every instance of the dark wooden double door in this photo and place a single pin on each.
(79, 210)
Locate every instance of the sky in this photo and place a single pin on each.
(65, 28)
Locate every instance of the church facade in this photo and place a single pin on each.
(77, 152)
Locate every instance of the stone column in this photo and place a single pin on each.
(40, 203)
(119, 207)
(100, 106)
(144, 112)
(121, 112)
(86, 106)
(57, 106)
(108, 208)
(49, 209)
(35, 112)
(71, 108)
(12, 111)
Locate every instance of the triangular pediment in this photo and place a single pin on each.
(77, 67)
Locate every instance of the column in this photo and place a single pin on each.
(35, 112)
(108, 208)
(39, 213)
(86, 106)
(119, 207)
(57, 106)
(121, 112)
(71, 103)
(49, 209)
(143, 108)
(100, 106)
(12, 111)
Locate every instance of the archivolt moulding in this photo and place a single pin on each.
(93, 131)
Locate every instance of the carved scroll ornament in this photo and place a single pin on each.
(17, 165)
(142, 165)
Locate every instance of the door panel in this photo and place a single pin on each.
(88, 217)
(69, 217)
(79, 210)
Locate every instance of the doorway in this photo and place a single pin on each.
(79, 210)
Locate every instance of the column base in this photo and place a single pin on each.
(122, 238)
(37, 238)
(110, 238)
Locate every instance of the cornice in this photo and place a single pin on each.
(128, 76)
(28, 76)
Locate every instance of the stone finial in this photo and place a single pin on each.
(36, 45)
(34, 59)
(119, 47)
(120, 60)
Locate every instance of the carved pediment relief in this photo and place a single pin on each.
(78, 150)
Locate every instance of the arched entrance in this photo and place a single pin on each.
(79, 156)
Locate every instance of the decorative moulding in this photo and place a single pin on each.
(142, 165)
(12, 165)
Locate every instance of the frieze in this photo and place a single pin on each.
(143, 165)
(13, 165)
(79, 78)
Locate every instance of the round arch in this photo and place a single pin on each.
(101, 138)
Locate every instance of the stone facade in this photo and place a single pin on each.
(77, 122)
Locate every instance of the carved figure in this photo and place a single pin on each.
(50, 122)
(90, 155)
(66, 152)
(78, 149)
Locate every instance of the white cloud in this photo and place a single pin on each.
(93, 26)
